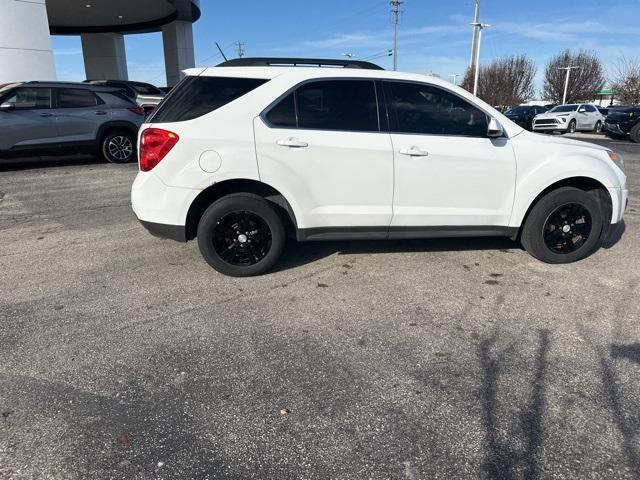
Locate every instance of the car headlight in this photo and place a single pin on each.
(617, 159)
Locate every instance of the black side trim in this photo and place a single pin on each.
(173, 232)
(402, 233)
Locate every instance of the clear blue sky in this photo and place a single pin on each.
(434, 35)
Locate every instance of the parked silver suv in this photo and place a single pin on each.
(54, 118)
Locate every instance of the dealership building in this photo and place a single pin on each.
(26, 27)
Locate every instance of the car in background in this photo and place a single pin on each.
(523, 115)
(56, 118)
(144, 94)
(604, 111)
(569, 119)
(623, 122)
(165, 90)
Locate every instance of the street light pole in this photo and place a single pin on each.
(474, 39)
(566, 83)
(481, 27)
(395, 4)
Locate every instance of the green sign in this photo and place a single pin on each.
(605, 91)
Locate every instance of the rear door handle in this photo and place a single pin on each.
(45, 114)
(293, 143)
(100, 112)
(414, 152)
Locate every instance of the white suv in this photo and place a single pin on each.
(569, 119)
(242, 154)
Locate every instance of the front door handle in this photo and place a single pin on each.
(100, 112)
(46, 114)
(414, 152)
(293, 143)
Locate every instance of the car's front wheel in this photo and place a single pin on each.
(634, 135)
(241, 235)
(572, 127)
(119, 146)
(598, 127)
(564, 226)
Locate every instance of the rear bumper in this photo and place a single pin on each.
(161, 230)
(615, 129)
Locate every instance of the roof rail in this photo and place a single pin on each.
(298, 62)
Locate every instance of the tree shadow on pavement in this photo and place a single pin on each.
(504, 460)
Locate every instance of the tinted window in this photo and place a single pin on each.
(591, 108)
(418, 108)
(348, 105)
(145, 88)
(76, 98)
(29, 98)
(564, 109)
(197, 96)
(283, 114)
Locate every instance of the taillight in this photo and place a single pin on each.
(155, 143)
(138, 110)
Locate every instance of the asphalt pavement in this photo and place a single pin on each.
(123, 356)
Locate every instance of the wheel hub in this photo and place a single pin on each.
(567, 228)
(242, 238)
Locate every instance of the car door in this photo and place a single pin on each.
(448, 172)
(322, 147)
(583, 118)
(80, 112)
(28, 122)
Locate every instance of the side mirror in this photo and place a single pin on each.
(494, 130)
(6, 107)
(582, 110)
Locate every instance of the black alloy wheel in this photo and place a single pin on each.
(567, 228)
(242, 238)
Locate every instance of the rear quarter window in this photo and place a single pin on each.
(197, 96)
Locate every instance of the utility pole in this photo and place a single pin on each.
(455, 76)
(480, 27)
(240, 49)
(395, 4)
(566, 83)
(475, 40)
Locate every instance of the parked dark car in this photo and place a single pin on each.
(523, 115)
(56, 118)
(144, 94)
(604, 111)
(624, 121)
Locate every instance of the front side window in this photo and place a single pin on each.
(26, 98)
(76, 98)
(425, 109)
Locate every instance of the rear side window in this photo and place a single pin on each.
(197, 96)
(339, 105)
(76, 98)
(425, 109)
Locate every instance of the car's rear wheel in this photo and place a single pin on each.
(598, 127)
(634, 135)
(241, 235)
(564, 226)
(119, 146)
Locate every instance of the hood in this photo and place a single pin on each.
(558, 140)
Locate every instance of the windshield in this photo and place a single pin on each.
(145, 88)
(564, 108)
(518, 110)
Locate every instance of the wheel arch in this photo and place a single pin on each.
(116, 125)
(581, 182)
(218, 190)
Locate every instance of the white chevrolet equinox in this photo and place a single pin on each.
(242, 155)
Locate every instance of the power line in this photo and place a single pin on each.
(395, 10)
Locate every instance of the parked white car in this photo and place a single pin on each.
(570, 119)
(242, 154)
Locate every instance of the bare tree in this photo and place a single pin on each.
(625, 80)
(506, 81)
(584, 82)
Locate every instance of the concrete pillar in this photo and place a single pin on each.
(104, 56)
(25, 43)
(177, 38)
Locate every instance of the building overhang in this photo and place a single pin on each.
(74, 17)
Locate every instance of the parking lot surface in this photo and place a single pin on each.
(123, 356)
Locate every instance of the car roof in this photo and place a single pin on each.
(78, 85)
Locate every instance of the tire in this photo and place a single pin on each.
(572, 126)
(118, 146)
(634, 135)
(241, 235)
(598, 127)
(550, 243)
